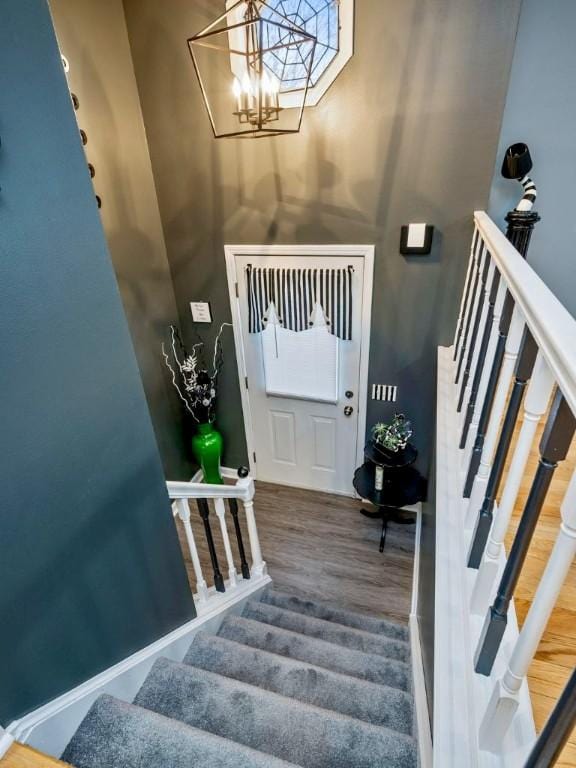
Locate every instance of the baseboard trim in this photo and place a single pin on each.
(50, 727)
(6, 741)
(424, 730)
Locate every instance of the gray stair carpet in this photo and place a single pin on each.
(358, 639)
(291, 682)
(300, 733)
(373, 703)
(118, 735)
(365, 666)
(338, 615)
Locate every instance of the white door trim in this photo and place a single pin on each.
(363, 251)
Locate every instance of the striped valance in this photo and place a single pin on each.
(294, 293)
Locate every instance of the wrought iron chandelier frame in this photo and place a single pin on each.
(253, 26)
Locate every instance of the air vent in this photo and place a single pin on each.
(385, 392)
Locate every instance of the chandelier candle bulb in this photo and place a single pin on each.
(237, 91)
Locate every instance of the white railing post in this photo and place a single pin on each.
(184, 515)
(535, 404)
(498, 409)
(221, 513)
(485, 373)
(505, 696)
(258, 565)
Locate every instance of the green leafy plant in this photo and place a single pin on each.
(394, 436)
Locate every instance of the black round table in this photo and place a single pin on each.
(402, 486)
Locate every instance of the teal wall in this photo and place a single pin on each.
(541, 111)
(90, 568)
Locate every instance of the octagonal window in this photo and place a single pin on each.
(320, 18)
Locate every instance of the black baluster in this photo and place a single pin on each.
(520, 227)
(481, 359)
(553, 449)
(204, 510)
(486, 412)
(233, 504)
(524, 367)
(469, 282)
(557, 730)
(475, 329)
(475, 288)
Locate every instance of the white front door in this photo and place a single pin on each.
(302, 420)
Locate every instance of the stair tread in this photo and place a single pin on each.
(348, 661)
(115, 733)
(324, 610)
(329, 631)
(301, 733)
(311, 684)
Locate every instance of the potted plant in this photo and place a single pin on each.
(392, 437)
(196, 383)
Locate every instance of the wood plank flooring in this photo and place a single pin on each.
(20, 756)
(556, 655)
(320, 546)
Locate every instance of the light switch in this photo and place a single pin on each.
(201, 311)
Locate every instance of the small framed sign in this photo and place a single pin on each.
(201, 312)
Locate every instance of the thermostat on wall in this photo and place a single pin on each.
(201, 311)
(416, 239)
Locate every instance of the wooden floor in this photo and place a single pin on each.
(556, 656)
(25, 757)
(319, 545)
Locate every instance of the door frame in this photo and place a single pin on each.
(363, 251)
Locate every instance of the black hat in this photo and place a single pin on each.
(517, 161)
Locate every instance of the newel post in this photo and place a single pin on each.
(246, 483)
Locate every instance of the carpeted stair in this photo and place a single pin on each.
(291, 682)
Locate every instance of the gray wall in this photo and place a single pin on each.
(93, 37)
(408, 132)
(90, 567)
(541, 111)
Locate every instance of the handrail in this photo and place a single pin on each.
(243, 490)
(551, 325)
(522, 370)
(181, 493)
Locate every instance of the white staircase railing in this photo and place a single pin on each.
(513, 362)
(225, 500)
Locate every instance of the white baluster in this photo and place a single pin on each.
(258, 565)
(221, 513)
(535, 404)
(466, 293)
(487, 367)
(483, 294)
(184, 515)
(505, 697)
(498, 409)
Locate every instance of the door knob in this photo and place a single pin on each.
(348, 411)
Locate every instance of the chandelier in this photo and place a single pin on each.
(254, 66)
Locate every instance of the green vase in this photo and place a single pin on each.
(207, 447)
